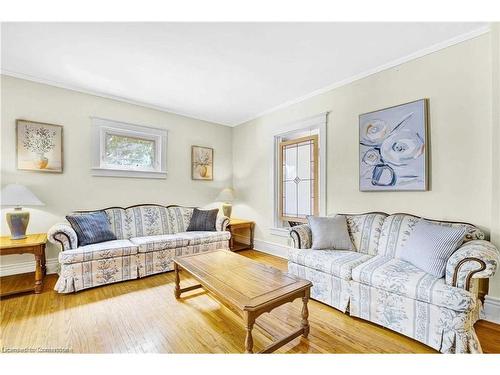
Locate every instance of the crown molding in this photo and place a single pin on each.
(423, 52)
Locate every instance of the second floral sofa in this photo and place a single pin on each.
(374, 283)
(147, 238)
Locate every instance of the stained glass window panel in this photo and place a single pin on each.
(298, 179)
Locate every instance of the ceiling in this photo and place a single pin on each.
(226, 73)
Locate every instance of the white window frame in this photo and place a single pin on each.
(101, 127)
(316, 123)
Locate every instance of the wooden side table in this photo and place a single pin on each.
(32, 244)
(236, 227)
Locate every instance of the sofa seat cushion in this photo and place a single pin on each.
(404, 279)
(333, 262)
(203, 237)
(161, 242)
(97, 251)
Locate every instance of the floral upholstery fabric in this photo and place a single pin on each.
(147, 221)
(477, 258)
(88, 274)
(119, 222)
(338, 263)
(198, 238)
(365, 231)
(102, 250)
(63, 235)
(301, 236)
(179, 218)
(161, 242)
(326, 288)
(399, 277)
(398, 228)
(443, 329)
(151, 263)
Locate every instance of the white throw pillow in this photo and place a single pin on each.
(430, 245)
(330, 233)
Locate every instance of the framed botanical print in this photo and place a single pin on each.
(39, 146)
(393, 148)
(202, 163)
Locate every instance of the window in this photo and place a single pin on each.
(299, 178)
(299, 172)
(128, 150)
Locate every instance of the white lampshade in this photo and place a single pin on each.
(18, 195)
(226, 195)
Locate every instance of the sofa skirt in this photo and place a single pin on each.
(326, 288)
(445, 330)
(160, 261)
(78, 276)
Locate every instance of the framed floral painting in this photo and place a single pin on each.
(39, 146)
(393, 148)
(202, 167)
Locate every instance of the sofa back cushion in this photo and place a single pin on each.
(117, 221)
(146, 220)
(365, 230)
(398, 227)
(179, 218)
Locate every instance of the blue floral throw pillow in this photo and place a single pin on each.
(91, 228)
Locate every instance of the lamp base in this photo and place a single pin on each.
(226, 209)
(18, 222)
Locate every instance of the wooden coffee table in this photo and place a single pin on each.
(247, 287)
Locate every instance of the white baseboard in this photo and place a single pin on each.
(492, 309)
(271, 248)
(25, 267)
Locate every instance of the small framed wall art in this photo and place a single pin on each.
(202, 167)
(393, 148)
(39, 146)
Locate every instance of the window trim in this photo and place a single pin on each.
(101, 127)
(318, 123)
(314, 138)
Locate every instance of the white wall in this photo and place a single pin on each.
(457, 80)
(75, 188)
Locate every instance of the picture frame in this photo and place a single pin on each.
(393, 148)
(202, 163)
(39, 146)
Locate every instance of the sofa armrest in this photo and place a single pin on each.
(301, 236)
(221, 223)
(475, 259)
(63, 235)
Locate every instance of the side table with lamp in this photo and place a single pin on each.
(16, 195)
(242, 231)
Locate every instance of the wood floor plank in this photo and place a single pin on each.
(143, 316)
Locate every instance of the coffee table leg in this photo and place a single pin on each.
(177, 291)
(249, 321)
(305, 313)
(38, 273)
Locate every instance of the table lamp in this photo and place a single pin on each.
(18, 195)
(227, 197)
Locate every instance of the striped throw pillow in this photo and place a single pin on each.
(91, 228)
(203, 220)
(430, 245)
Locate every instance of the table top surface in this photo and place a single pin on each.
(31, 240)
(245, 283)
(233, 221)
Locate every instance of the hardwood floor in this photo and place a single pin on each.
(144, 316)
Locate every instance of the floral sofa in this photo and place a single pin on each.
(372, 283)
(148, 237)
